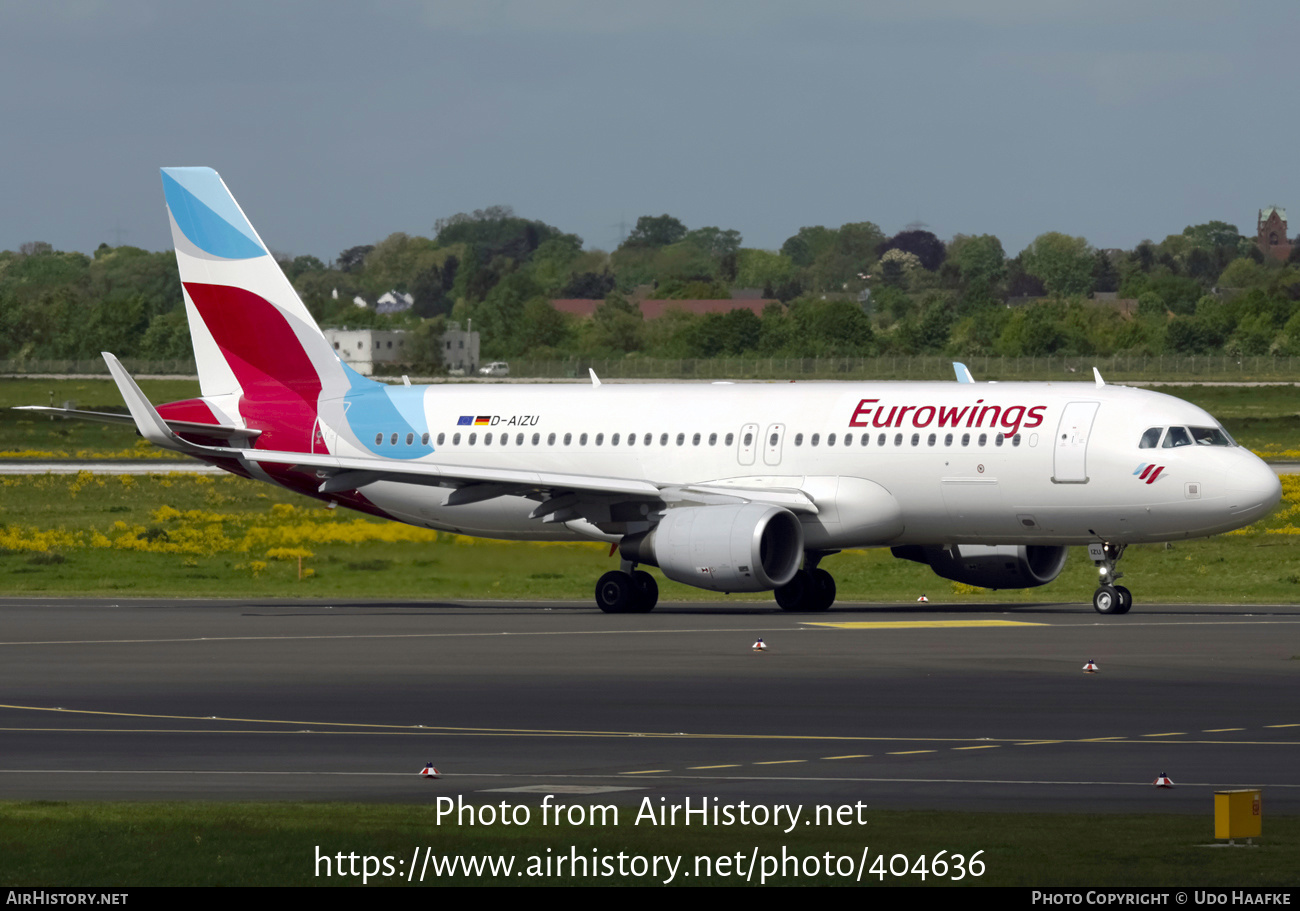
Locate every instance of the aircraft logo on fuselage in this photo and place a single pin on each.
(1148, 471)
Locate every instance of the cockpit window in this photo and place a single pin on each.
(1211, 436)
(1177, 436)
(1151, 438)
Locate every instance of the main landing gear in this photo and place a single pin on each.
(1109, 598)
(811, 589)
(627, 590)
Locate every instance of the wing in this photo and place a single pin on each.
(561, 496)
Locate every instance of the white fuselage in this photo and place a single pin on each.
(885, 463)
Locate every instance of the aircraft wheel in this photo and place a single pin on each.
(616, 593)
(1125, 599)
(1106, 600)
(793, 596)
(647, 592)
(822, 593)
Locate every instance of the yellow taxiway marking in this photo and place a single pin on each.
(1099, 739)
(1220, 730)
(920, 624)
(780, 761)
(911, 752)
(1168, 734)
(1282, 725)
(856, 756)
(987, 746)
(646, 772)
(732, 765)
(1036, 743)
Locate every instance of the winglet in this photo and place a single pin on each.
(595, 380)
(1096, 375)
(147, 419)
(963, 372)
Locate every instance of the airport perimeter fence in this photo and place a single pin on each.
(1168, 368)
(928, 367)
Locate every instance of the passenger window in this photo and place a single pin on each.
(681, 438)
(472, 438)
(410, 438)
(984, 438)
(424, 439)
(631, 439)
(550, 440)
(866, 438)
(394, 440)
(947, 440)
(798, 439)
(749, 439)
(848, 439)
(916, 438)
(487, 439)
(816, 437)
(965, 439)
(898, 439)
(600, 439)
(441, 437)
(997, 440)
(505, 438)
(647, 440)
(1015, 440)
(728, 439)
(830, 440)
(881, 440)
(455, 440)
(930, 441)
(379, 439)
(713, 439)
(1177, 436)
(1151, 438)
(537, 438)
(568, 439)
(663, 439)
(582, 440)
(613, 441)
(519, 439)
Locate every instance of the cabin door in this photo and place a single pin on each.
(1070, 464)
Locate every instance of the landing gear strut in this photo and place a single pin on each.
(811, 589)
(627, 590)
(1109, 598)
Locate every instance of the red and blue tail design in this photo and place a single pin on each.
(262, 360)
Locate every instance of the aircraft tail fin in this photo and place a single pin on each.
(251, 332)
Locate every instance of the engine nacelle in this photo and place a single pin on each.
(990, 566)
(749, 548)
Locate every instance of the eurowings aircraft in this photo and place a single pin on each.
(731, 488)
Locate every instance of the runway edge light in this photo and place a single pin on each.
(1091, 667)
(759, 646)
(429, 771)
(1164, 781)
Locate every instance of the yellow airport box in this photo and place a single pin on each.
(1237, 814)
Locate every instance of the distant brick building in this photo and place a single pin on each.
(1271, 235)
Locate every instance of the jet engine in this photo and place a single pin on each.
(747, 548)
(990, 566)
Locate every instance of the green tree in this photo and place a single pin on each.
(1061, 262)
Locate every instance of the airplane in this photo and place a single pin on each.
(726, 487)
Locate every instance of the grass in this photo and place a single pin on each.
(243, 844)
(223, 536)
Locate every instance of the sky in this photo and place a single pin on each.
(337, 124)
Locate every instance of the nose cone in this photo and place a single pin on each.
(1253, 489)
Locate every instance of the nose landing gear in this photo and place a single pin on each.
(1109, 598)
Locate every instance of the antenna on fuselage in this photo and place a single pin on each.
(595, 380)
(1096, 375)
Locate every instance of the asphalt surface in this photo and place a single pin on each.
(316, 700)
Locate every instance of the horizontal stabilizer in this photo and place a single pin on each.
(237, 436)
